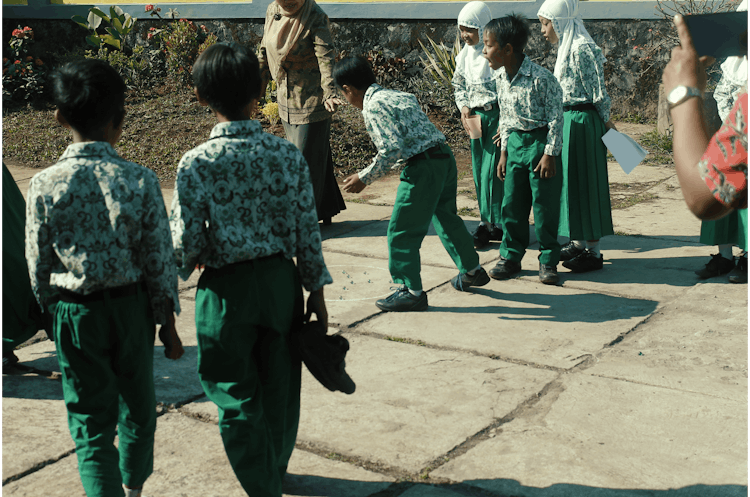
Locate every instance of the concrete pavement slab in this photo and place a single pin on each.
(518, 320)
(412, 403)
(654, 268)
(359, 281)
(686, 345)
(611, 435)
(659, 218)
(356, 215)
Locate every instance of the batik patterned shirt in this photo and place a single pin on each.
(398, 128)
(582, 81)
(472, 95)
(96, 221)
(726, 94)
(245, 194)
(532, 100)
(724, 164)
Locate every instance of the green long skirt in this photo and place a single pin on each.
(585, 208)
(742, 235)
(484, 158)
(724, 231)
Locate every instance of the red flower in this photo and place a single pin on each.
(26, 28)
(29, 58)
(152, 29)
(5, 60)
(17, 62)
(149, 7)
(204, 28)
(17, 33)
(183, 20)
(39, 62)
(149, 36)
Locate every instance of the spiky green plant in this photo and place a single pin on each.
(441, 62)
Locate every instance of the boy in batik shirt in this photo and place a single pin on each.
(530, 140)
(243, 208)
(405, 137)
(100, 260)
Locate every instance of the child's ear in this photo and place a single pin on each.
(201, 100)
(508, 50)
(61, 119)
(346, 89)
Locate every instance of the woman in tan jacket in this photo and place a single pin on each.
(298, 53)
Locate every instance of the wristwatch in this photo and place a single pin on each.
(680, 94)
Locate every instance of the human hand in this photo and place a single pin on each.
(465, 113)
(496, 139)
(610, 125)
(353, 184)
(316, 304)
(172, 343)
(501, 164)
(546, 167)
(685, 67)
(332, 103)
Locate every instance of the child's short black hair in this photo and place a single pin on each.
(353, 71)
(227, 76)
(511, 29)
(89, 93)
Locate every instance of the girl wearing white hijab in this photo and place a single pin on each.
(585, 208)
(475, 93)
(732, 228)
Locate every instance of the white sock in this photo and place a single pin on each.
(726, 251)
(471, 273)
(579, 244)
(594, 247)
(482, 223)
(132, 492)
(416, 293)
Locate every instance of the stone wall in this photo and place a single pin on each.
(632, 81)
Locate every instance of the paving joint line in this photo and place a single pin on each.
(37, 467)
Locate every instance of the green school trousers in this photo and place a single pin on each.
(427, 192)
(244, 313)
(105, 350)
(526, 190)
(484, 158)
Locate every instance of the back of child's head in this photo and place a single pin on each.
(353, 71)
(227, 76)
(89, 93)
(511, 29)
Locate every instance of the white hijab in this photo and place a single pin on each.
(474, 66)
(735, 68)
(568, 24)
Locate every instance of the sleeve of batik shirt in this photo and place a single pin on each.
(724, 164)
(592, 79)
(553, 110)
(160, 271)
(188, 218)
(40, 255)
(725, 95)
(324, 51)
(459, 89)
(381, 123)
(310, 263)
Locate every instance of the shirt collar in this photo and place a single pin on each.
(525, 68)
(370, 92)
(89, 149)
(234, 128)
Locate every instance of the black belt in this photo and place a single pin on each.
(435, 152)
(545, 128)
(486, 107)
(117, 292)
(213, 272)
(586, 106)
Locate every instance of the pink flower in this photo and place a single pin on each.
(17, 62)
(152, 29)
(635, 47)
(149, 36)
(149, 7)
(26, 28)
(203, 27)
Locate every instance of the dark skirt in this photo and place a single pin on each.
(313, 140)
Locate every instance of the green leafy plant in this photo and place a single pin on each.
(440, 64)
(23, 74)
(181, 42)
(138, 69)
(120, 24)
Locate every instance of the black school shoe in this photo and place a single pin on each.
(481, 236)
(505, 269)
(584, 262)
(569, 251)
(463, 281)
(496, 233)
(402, 300)
(739, 273)
(548, 275)
(717, 266)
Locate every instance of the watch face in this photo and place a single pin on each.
(677, 94)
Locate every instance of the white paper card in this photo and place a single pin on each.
(627, 152)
